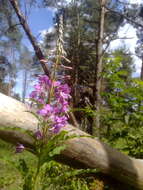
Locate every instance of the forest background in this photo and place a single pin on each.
(106, 92)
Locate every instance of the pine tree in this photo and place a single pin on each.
(10, 39)
(81, 37)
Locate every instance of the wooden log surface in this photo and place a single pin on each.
(80, 152)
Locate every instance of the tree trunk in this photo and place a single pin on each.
(141, 75)
(98, 71)
(80, 152)
(24, 86)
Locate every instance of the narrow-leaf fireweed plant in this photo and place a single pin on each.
(50, 98)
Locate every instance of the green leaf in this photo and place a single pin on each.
(35, 115)
(57, 150)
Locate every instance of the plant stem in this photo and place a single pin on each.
(36, 177)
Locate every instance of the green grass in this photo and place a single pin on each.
(10, 177)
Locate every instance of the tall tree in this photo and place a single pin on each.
(98, 69)
(25, 67)
(139, 46)
(10, 39)
(82, 36)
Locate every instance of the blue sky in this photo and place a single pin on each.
(38, 20)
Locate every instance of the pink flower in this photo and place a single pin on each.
(65, 88)
(19, 148)
(46, 111)
(38, 135)
(62, 93)
(56, 83)
(65, 67)
(33, 94)
(56, 111)
(38, 87)
(44, 80)
(59, 122)
(65, 108)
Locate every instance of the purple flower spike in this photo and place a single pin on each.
(59, 122)
(33, 94)
(53, 110)
(56, 83)
(56, 129)
(43, 79)
(38, 87)
(46, 111)
(38, 135)
(19, 148)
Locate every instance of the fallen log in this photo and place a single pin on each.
(80, 152)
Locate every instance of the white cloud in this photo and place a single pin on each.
(51, 29)
(135, 1)
(132, 1)
(42, 33)
(128, 32)
(52, 10)
(45, 31)
(68, 1)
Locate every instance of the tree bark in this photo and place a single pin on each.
(80, 152)
(98, 71)
(141, 75)
(24, 85)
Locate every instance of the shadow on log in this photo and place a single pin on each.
(80, 152)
